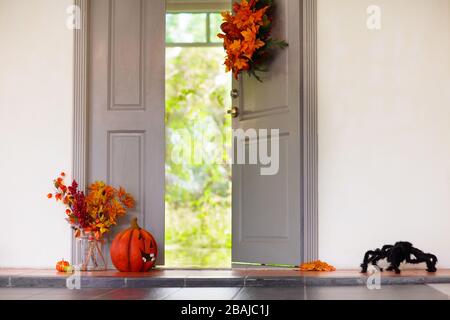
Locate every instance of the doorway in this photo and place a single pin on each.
(126, 138)
(198, 175)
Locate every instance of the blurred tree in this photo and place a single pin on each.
(198, 192)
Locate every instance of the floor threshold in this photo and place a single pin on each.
(38, 278)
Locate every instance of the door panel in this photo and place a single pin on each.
(126, 105)
(266, 208)
(268, 225)
(275, 82)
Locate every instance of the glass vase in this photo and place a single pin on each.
(89, 253)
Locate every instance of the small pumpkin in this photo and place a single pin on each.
(61, 266)
(134, 249)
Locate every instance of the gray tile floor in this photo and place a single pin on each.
(394, 292)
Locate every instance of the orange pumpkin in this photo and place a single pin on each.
(62, 265)
(134, 249)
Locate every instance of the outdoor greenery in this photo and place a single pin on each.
(185, 27)
(191, 27)
(198, 179)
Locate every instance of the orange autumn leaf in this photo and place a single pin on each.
(121, 192)
(241, 64)
(235, 47)
(227, 17)
(249, 35)
(129, 201)
(50, 196)
(66, 200)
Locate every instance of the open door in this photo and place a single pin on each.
(266, 208)
(126, 105)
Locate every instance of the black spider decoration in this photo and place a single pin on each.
(396, 254)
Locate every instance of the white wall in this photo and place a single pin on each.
(35, 129)
(384, 128)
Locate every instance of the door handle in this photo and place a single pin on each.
(234, 112)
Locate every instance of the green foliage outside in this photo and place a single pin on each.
(198, 193)
(186, 27)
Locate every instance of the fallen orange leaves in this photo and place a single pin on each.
(317, 266)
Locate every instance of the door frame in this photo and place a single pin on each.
(308, 110)
(309, 141)
(80, 94)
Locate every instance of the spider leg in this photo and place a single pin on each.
(371, 256)
(420, 257)
(376, 260)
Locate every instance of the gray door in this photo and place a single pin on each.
(266, 209)
(126, 105)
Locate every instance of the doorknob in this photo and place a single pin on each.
(234, 112)
(234, 93)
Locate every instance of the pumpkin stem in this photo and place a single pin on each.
(134, 224)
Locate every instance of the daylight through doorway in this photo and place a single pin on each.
(198, 177)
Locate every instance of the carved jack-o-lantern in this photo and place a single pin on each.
(134, 249)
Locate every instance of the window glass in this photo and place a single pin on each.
(215, 21)
(185, 27)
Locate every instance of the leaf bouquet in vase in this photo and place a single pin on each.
(91, 216)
